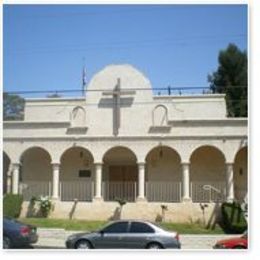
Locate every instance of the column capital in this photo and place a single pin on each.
(98, 163)
(185, 163)
(16, 164)
(229, 163)
(141, 163)
(55, 166)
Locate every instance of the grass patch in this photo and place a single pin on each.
(84, 225)
(66, 224)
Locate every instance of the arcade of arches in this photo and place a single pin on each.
(162, 177)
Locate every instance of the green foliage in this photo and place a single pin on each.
(13, 107)
(45, 205)
(121, 202)
(231, 79)
(233, 219)
(87, 225)
(12, 205)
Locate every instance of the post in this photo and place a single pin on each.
(186, 182)
(98, 182)
(55, 180)
(15, 178)
(230, 182)
(141, 182)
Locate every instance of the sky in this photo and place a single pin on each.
(46, 46)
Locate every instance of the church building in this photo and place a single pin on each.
(122, 142)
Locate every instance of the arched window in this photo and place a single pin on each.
(160, 116)
(78, 117)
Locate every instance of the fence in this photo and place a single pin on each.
(163, 191)
(80, 190)
(207, 191)
(31, 189)
(154, 191)
(119, 190)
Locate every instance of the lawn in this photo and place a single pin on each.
(84, 225)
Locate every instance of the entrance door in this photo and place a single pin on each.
(122, 182)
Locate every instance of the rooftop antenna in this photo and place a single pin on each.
(84, 77)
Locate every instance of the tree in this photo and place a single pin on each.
(13, 107)
(231, 79)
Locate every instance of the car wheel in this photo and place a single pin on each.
(239, 247)
(154, 246)
(7, 243)
(83, 244)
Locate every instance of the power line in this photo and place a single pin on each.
(185, 41)
(134, 89)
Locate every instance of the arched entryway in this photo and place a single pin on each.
(6, 173)
(207, 175)
(240, 175)
(76, 174)
(163, 175)
(35, 173)
(120, 174)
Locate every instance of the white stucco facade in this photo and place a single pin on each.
(164, 149)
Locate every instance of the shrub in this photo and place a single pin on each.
(45, 205)
(12, 205)
(233, 219)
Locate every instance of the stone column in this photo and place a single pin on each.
(186, 182)
(55, 180)
(230, 182)
(15, 178)
(9, 179)
(98, 182)
(141, 182)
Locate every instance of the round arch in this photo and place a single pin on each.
(241, 174)
(163, 163)
(76, 174)
(160, 115)
(35, 172)
(120, 173)
(163, 174)
(34, 148)
(210, 146)
(207, 167)
(79, 149)
(119, 155)
(78, 116)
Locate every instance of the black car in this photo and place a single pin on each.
(126, 234)
(17, 234)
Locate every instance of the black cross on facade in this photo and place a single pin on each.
(116, 93)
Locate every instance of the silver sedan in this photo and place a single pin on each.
(126, 234)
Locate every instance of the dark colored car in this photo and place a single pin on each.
(125, 234)
(17, 234)
(233, 243)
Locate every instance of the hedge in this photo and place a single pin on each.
(12, 205)
(233, 218)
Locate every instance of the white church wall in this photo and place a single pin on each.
(51, 109)
(137, 109)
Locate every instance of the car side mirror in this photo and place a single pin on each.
(101, 232)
